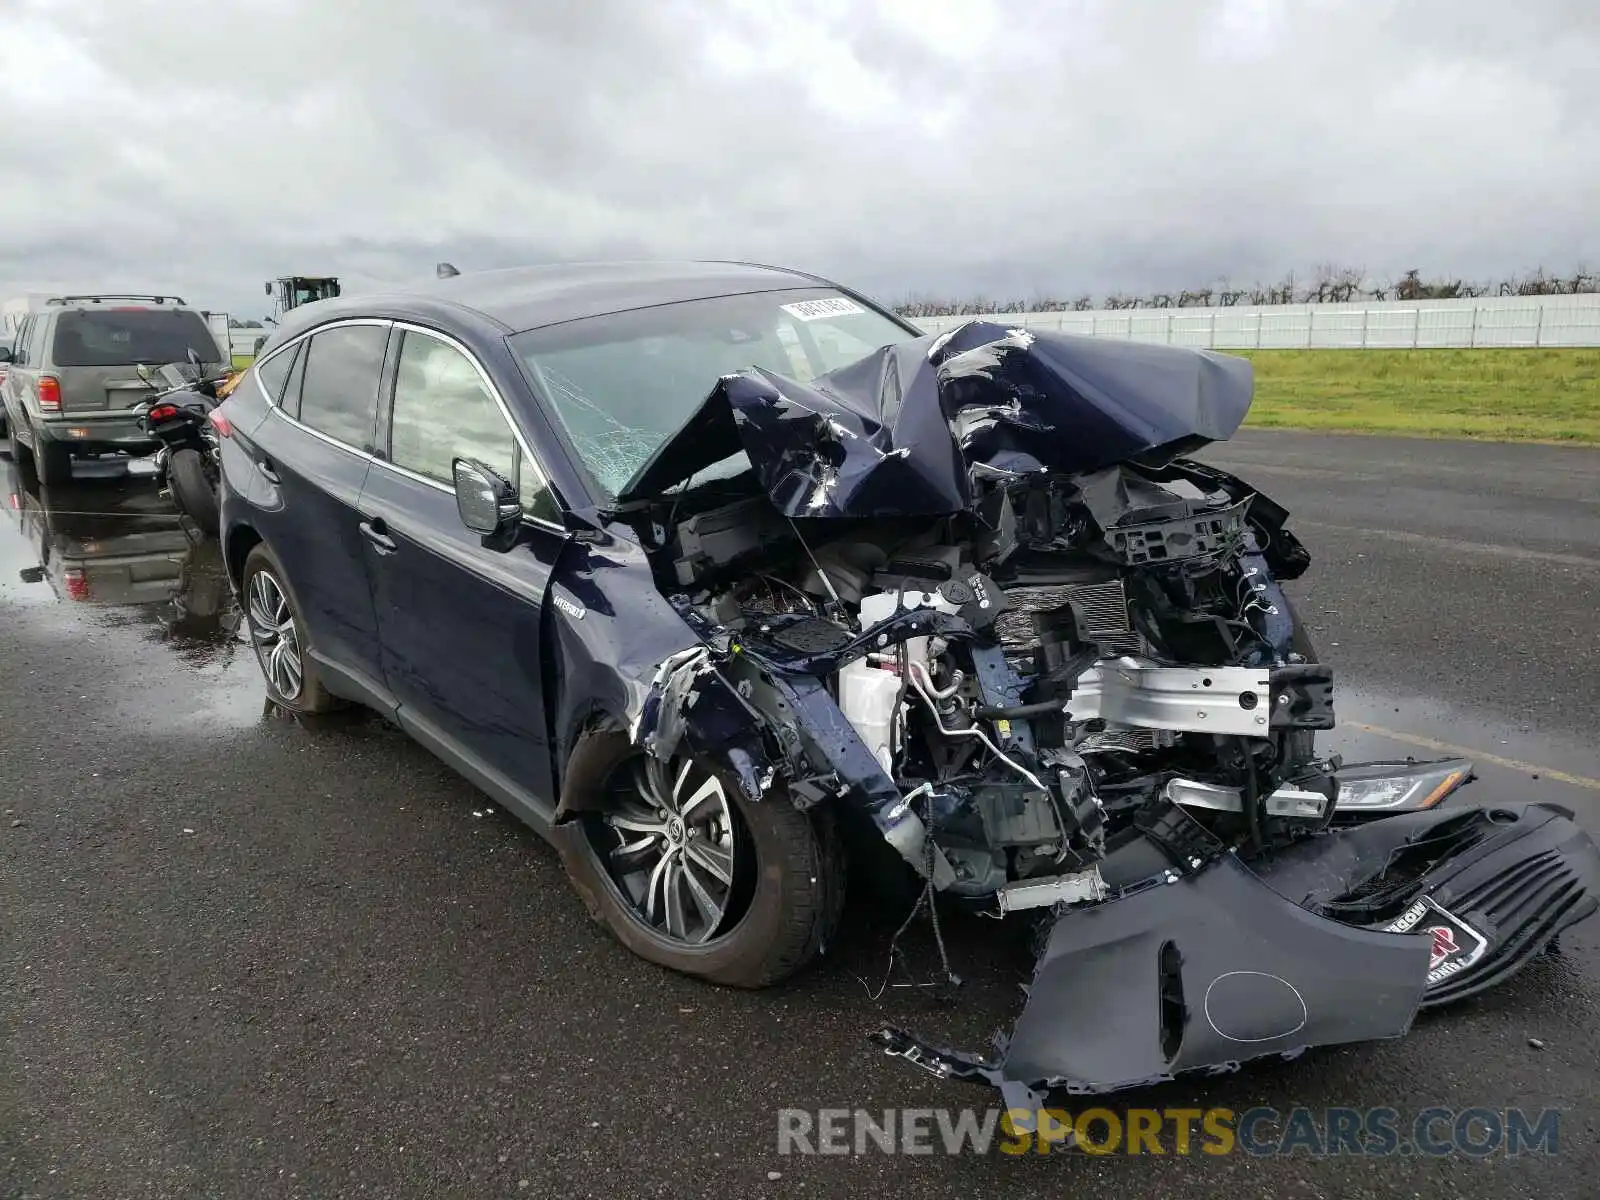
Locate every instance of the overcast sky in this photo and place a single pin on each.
(945, 146)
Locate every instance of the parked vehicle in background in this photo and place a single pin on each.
(72, 381)
(177, 418)
(289, 292)
(7, 350)
(702, 568)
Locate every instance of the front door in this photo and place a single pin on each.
(460, 624)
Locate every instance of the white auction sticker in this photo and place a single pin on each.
(815, 310)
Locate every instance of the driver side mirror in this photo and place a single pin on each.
(487, 503)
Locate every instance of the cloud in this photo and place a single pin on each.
(998, 145)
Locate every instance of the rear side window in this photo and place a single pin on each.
(36, 331)
(32, 340)
(274, 371)
(122, 337)
(339, 388)
(19, 346)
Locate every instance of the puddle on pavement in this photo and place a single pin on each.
(107, 557)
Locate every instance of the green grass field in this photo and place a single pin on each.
(1497, 395)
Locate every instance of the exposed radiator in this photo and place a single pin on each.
(1098, 610)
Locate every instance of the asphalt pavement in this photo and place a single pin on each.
(243, 956)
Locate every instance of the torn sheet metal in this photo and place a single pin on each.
(908, 430)
(1340, 938)
(693, 706)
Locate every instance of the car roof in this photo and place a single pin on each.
(522, 298)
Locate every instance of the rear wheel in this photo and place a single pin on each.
(279, 637)
(193, 489)
(688, 873)
(20, 454)
(53, 462)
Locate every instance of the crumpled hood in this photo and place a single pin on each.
(910, 429)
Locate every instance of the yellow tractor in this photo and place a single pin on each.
(291, 291)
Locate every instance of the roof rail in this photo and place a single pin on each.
(114, 296)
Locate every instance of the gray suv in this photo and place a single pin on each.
(72, 380)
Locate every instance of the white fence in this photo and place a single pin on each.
(1396, 325)
(243, 341)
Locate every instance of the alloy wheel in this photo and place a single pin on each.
(670, 845)
(273, 634)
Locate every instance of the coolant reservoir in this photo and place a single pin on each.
(867, 697)
(868, 693)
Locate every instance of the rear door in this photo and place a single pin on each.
(95, 352)
(459, 623)
(313, 452)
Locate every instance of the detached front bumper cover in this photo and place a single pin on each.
(1342, 938)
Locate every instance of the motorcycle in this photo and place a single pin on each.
(177, 417)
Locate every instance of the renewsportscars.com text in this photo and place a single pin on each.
(1262, 1132)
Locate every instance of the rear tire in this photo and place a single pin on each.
(193, 491)
(20, 454)
(273, 620)
(787, 870)
(53, 462)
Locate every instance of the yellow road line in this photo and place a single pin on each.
(1515, 764)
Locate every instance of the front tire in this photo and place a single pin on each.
(193, 490)
(278, 635)
(689, 874)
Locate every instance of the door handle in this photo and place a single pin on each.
(376, 532)
(266, 470)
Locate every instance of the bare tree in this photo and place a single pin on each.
(1328, 283)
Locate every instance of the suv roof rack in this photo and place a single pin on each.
(95, 299)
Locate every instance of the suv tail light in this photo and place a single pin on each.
(77, 584)
(220, 423)
(49, 393)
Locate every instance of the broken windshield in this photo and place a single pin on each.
(622, 384)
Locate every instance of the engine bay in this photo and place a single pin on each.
(1035, 672)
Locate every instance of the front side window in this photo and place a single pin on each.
(622, 384)
(339, 388)
(443, 411)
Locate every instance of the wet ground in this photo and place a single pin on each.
(243, 957)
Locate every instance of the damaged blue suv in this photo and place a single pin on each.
(709, 571)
